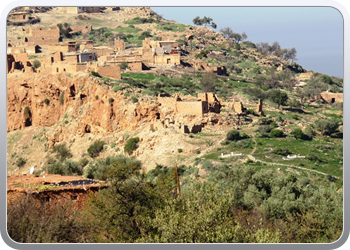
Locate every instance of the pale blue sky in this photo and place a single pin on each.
(315, 32)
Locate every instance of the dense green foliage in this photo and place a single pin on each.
(131, 145)
(234, 204)
(95, 149)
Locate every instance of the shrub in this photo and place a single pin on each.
(83, 162)
(62, 98)
(27, 113)
(207, 166)
(113, 144)
(264, 130)
(95, 149)
(179, 150)
(124, 65)
(47, 101)
(95, 74)
(282, 151)
(36, 64)
(103, 168)
(131, 145)
(21, 162)
(110, 100)
(116, 88)
(298, 134)
(277, 133)
(62, 151)
(134, 99)
(327, 126)
(66, 168)
(233, 135)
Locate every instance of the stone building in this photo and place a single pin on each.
(331, 97)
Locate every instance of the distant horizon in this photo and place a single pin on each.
(315, 32)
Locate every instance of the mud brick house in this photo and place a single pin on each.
(77, 10)
(41, 37)
(18, 16)
(331, 97)
(19, 62)
(119, 44)
(159, 52)
(109, 71)
(218, 70)
(205, 103)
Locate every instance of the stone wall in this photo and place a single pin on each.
(167, 59)
(42, 36)
(332, 97)
(112, 72)
(119, 44)
(196, 108)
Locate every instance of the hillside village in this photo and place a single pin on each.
(84, 83)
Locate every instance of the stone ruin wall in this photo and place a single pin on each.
(112, 72)
(196, 108)
(328, 97)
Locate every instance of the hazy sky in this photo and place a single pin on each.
(315, 32)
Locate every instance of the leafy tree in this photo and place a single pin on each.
(327, 126)
(122, 212)
(204, 21)
(278, 97)
(65, 30)
(30, 221)
(208, 82)
(228, 33)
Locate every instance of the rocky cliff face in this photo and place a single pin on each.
(42, 100)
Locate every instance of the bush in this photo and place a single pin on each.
(282, 151)
(233, 135)
(327, 126)
(36, 64)
(110, 100)
(21, 162)
(207, 166)
(27, 113)
(95, 149)
(298, 134)
(264, 130)
(66, 168)
(83, 162)
(124, 65)
(95, 74)
(62, 98)
(103, 168)
(116, 88)
(47, 101)
(179, 150)
(277, 133)
(131, 145)
(134, 99)
(62, 151)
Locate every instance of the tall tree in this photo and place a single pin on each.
(204, 21)
(278, 97)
